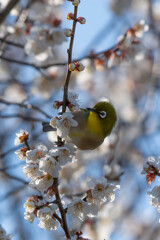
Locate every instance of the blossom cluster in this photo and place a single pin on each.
(41, 31)
(3, 234)
(128, 46)
(151, 169)
(100, 192)
(63, 124)
(72, 102)
(42, 168)
(43, 165)
(45, 212)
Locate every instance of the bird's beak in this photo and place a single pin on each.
(92, 110)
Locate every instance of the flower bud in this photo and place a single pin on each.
(70, 16)
(68, 32)
(79, 66)
(81, 20)
(57, 104)
(76, 2)
(72, 67)
(146, 167)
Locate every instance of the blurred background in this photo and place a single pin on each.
(28, 76)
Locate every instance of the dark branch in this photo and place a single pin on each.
(27, 106)
(22, 117)
(8, 8)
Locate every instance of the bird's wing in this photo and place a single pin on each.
(47, 127)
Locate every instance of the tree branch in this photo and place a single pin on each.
(65, 94)
(6, 11)
(27, 106)
(11, 43)
(15, 178)
(23, 117)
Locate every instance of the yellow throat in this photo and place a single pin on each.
(94, 124)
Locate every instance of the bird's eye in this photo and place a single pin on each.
(102, 114)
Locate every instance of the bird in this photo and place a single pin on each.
(94, 125)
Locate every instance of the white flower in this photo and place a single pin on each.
(73, 99)
(49, 223)
(21, 137)
(98, 191)
(140, 28)
(3, 235)
(78, 208)
(72, 148)
(32, 171)
(29, 216)
(56, 2)
(34, 155)
(58, 35)
(21, 153)
(102, 190)
(45, 215)
(35, 47)
(93, 209)
(40, 11)
(42, 183)
(29, 206)
(17, 30)
(64, 123)
(62, 154)
(42, 213)
(50, 165)
(151, 161)
(155, 196)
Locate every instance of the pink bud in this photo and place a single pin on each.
(72, 67)
(68, 32)
(79, 66)
(76, 2)
(81, 20)
(70, 16)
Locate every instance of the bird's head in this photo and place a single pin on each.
(107, 116)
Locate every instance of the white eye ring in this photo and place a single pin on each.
(102, 114)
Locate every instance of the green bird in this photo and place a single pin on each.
(94, 125)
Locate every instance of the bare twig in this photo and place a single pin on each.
(11, 43)
(45, 66)
(8, 151)
(27, 106)
(62, 211)
(12, 192)
(65, 94)
(8, 8)
(15, 178)
(11, 166)
(22, 117)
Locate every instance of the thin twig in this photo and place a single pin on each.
(27, 106)
(22, 117)
(8, 151)
(62, 211)
(4, 197)
(65, 94)
(7, 9)
(11, 166)
(45, 66)
(15, 178)
(11, 43)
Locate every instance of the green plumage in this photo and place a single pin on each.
(92, 129)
